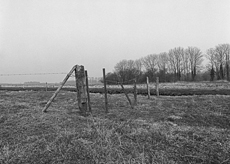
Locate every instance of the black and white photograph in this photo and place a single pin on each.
(114, 81)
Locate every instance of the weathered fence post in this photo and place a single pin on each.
(135, 92)
(87, 89)
(46, 87)
(157, 86)
(126, 95)
(148, 88)
(105, 90)
(81, 91)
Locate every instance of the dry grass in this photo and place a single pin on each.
(192, 129)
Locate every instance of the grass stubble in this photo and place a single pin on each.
(165, 130)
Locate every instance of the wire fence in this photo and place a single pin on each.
(70, 82)
(121, 82)
(91, 79)
(31, 74)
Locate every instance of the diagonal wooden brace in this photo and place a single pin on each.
(59, 88)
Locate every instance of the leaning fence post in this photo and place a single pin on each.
(148, 88)
(105, 90)
(157, 86)
(135, 92)
(87, 90)
(126, 95)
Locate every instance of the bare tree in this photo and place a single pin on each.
(195, 58)
(186, 66)
(227, 53)
(211, 56)
(120, 69)
(175, 60)
(131, 71)
(150, 62)
(222, 52)
(126, 70)
(162, 63)
(172, 63)
(138, 66)
(219, 59)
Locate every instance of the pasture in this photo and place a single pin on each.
(165, 129)
(165, 89)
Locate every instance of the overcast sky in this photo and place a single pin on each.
(47, 36)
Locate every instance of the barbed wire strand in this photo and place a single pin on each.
(35, 74)
(31, 74)
(61, 73)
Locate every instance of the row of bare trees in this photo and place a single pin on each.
(175, 65)
(219, 61)
(182, 63)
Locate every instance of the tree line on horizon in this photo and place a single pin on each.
(178, 64)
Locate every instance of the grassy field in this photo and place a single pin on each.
(167, 130)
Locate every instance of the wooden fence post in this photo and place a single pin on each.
(46, 87)
(157, 86)
(105, 90)
(81, 91)
(87, 89)
(126, 95)
(148, 88)
(135, 92)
